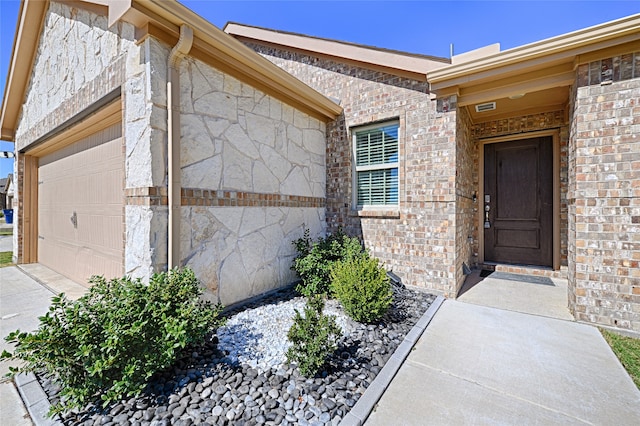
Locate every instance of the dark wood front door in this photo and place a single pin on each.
(518, 191)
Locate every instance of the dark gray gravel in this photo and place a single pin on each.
(224, 384)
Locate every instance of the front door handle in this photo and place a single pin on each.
(487, 207)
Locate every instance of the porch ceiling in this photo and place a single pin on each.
(536, 102)
(541, 86)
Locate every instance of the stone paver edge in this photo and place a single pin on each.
(35, 400)
(38, 407)
(365, 405)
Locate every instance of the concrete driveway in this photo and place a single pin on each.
(6, 243)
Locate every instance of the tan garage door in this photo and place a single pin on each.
(80, 207)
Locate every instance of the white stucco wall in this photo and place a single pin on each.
(235, 138)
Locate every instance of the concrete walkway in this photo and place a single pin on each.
(24, 298)
(482, 365)
(520, 293)
(6, 241)
(22, 301)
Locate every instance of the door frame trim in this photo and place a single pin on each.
(555, 136)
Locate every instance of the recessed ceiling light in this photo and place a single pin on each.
(518, 96)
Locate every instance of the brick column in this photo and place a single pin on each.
(604, 164)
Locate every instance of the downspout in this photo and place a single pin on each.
(179, 51)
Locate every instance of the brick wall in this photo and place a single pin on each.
(604, 193)
(466, 187)
(417, 239)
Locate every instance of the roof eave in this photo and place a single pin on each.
(246, 61)
(556, 48)
(168, 15)
(30, 17)
(393, 61)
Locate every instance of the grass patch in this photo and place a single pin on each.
(5, 258)
(627, 349)
(6, 232)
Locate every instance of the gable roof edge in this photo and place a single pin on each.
(566, 45)
(170, 15)
(378, 57)
(240, 58)
(30, 16)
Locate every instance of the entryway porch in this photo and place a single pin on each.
(530, 290)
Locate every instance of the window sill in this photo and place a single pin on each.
(380, 214)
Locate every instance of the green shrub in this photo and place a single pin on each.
(362, 286)
(107, 344)
(315, 259)
(313, 337)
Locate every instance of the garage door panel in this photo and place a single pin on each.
(95, 231)
(83, 182)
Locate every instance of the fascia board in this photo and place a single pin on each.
(25, 43)
(564, 46)
(241, 58)
(392, 60)
(170, 15)
(559, 80)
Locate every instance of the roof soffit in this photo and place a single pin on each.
(222, 51)
(533, 78)
(561, 49)
(393, 62)
(166, 17)
(25, 43)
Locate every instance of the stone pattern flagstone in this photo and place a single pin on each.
(236, 139)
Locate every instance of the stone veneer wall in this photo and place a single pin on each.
(418, 239)
(604, 196)
(253, 177)
(252, 167)
(78, 62)
(145, 103)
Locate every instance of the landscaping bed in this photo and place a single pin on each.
(241, 376)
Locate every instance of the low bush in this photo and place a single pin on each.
(107, 344)
(362, 286)
(313, 337)
(315, 259)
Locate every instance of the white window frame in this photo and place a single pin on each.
(385, 166)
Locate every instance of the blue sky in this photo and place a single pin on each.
(427, 27)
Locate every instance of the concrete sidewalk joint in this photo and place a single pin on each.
(365, 405)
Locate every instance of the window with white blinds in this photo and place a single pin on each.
(376, 161)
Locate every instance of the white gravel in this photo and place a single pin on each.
(258, 336)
